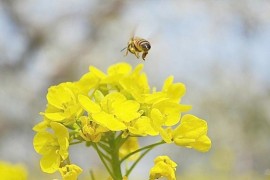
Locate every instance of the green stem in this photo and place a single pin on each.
(104, 147)
(136, 162)
(71, 133)
(122, 141)
(119, 136)
(116, 165)
(104, 155)
(103, 161)
(141, 149)
(77, 142)
(92, 175)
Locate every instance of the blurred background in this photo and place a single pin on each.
(218, 49)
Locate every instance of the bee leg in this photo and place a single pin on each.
(137, 54)
(126, 53)
(144, 55)
(128, 49)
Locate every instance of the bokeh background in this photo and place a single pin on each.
(219, 49)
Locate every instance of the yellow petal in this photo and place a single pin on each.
(112, 99)
(155, 98)
(164, 167)
(60, 130)
(191, 127)
(203, 144)
(87, 82)
(168, 82)
(171, 112)
(70, 172)
(50, 163)
(88, 105)
(167, 160)
(192, 133)
(108, 121)
(176, 91)
(60, 94)
(43, 142)
(55, 116)
(166, 134)
(184, 141)
(143, 127)
(157, 118)
(121, 68)
(138, 69)
(41, 126)
(127, 111)
(97, 72)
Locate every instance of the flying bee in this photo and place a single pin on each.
(137, 45)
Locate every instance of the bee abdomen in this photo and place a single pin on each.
(143, 44)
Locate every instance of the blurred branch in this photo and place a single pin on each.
(35, 37)
(98, 20)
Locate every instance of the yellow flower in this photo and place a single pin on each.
(163, 107)
(171, 112)
(166, 113)
(42, 126)
(52, 146)
(167, 134)
(117, 72)
(174, 91)
(90, 130)
(113, 111)
(121, 78)
(164, 167)
(90, 80)
(142, 127)
(12, 171)
(130, 145)
(63, 105)
(70, 172)
(192, 133)
(119, 100)
(96, 79)
(135, 85)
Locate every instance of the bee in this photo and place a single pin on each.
(137, 45)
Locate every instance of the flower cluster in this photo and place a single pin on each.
(12, 171)
(109, 112)
(164, 167)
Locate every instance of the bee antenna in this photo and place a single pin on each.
(123, 49)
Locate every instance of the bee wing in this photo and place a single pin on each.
(132, 34)
(140, 31)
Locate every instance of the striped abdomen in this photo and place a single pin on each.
(141, 44)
